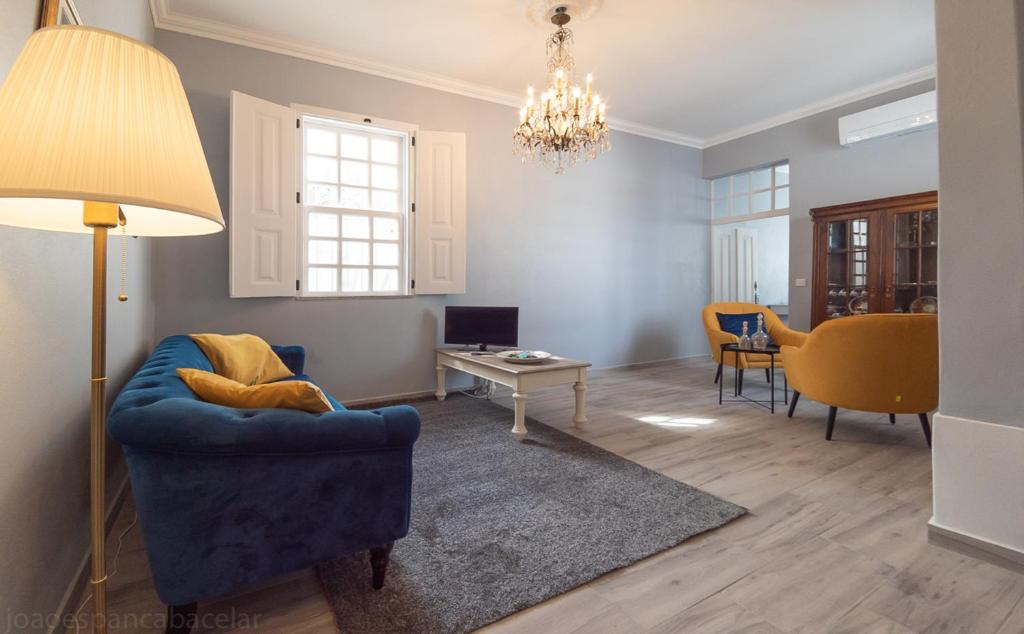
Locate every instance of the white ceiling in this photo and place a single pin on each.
(696, 72)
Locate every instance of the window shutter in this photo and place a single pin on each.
(440, 213)
(263, 209)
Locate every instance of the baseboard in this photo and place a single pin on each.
(428, 395)
(976, 471)
(938, 534)
(656, 362)
(76, 590)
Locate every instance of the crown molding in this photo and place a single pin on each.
(164, 19)
(846, 98)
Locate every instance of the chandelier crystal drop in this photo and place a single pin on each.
(568, 125)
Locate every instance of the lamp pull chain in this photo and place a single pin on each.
(121, 220)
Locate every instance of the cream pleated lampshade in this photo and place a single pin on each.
(86, 114)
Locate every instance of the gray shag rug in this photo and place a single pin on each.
(498, 525)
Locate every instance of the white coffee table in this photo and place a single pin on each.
(521, 378)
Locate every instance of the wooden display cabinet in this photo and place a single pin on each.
(876, 256)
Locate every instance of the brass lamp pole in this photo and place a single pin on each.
(96, 131)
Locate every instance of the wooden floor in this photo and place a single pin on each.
(836, 539)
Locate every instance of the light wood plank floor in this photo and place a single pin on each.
(836, 540)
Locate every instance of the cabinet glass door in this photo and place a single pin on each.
(913, 284)
(846, 266)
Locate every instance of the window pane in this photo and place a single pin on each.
(741, 183)
(321, 141)
(761, 179)
(355, 253)
(325, 225)
(323, 280)
(354, 197)
(720, 187)
(385, 280)
(355, 173)
(782, 175)
(319, 168)
(721, 208)
(323, 252)
(385, 229)
(385, 201)
(385, 151)
(761, 201)
(385, 176)
(355, 280)
(354, 146)
(385, 254)
(355, 227)
(782, 198)
(322, 195)
(740, 205)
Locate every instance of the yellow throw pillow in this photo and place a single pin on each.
(243, 358)
(214, 388)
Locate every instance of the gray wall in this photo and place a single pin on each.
(44, 383)
(607, 262)
(824, 173)
(981, 257)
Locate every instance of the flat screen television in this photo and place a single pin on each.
(482, 325)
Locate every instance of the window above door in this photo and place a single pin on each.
(757, 193)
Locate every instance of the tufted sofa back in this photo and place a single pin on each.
(158, 379)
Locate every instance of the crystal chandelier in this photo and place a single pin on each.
(569, 123)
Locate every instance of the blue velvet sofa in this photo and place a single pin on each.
(228, 497)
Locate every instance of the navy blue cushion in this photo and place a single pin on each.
(733, 323)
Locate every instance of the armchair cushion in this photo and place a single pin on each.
(732, 323)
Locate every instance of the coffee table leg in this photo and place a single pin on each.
(519, 428)
(440, 393)
(581, 394)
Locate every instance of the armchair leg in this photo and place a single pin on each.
(718, 374)
(831, 422)
(181, 619)
(892, 419)
(925, 427)
(379, 558)
(792, 403)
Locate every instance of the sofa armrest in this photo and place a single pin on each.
(181, 425)
(294, 357)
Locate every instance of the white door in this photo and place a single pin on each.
(734, 264)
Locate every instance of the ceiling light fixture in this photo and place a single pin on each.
(569, 123)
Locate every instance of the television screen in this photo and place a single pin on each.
(481, 325)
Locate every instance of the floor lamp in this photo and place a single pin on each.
(95, 134)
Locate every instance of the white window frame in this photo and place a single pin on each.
(732, 195)
(405, 217)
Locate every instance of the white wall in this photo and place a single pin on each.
(45, 281)
(979, 432)
(608, 262)
(824, 173)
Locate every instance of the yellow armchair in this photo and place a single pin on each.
(780, 334)
(886, 363)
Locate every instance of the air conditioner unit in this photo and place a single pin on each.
(899, 117)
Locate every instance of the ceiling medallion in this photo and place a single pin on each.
(569, 123)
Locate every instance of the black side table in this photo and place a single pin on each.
(771, 351)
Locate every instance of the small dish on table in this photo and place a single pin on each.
(524, 357)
